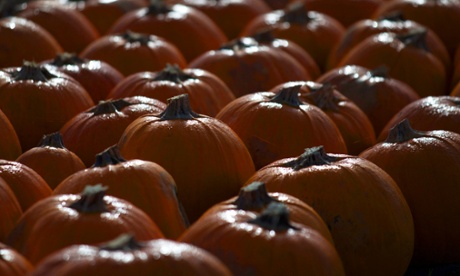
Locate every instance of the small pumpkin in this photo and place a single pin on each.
(10, 210)
(10, 147)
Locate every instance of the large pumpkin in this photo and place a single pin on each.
(208, 161)
(10, 210)
(367, 215)
(10, 147)
(12, 263)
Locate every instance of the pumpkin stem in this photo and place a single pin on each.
(402, 132)
(324, 97)
(179, 109)
(133, 37)
(296, 13)
(32, 71)
(124, 242)
(396, 16)
(274, 217)
(315, 156)
(53, 140)
(67, 59)
(415, 38)
(110, 156)
(264, 36)
(239, 44)
(172, 73)
(253, 197)
(158, 7)
(91, 200)
(108, 107)
(288, 96)
(380, 71)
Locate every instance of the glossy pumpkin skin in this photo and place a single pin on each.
(354, 125)
(28, 186)
(208, 94)
(10, 210)
(54, 223)
(430, 113)
(275, 126)
(315, 32)
(406, 58)
(96, 76)
(248, 67)
(374, 91)
(414, 159)
(395, 24)
(209, 162)
(154, 257)
(52, 160)
(250, 245)
(143, 183)
(12, 263)
(131, 52)
(22, 39)
(367, 215)
(38, 101)
(10, 147)
(198, 33)
(97, 128)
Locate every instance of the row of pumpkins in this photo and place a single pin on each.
(229, 137)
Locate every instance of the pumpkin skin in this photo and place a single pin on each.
(367, 215)
(96, 76)
(143, 183)
(265, 122)
(429, 113)
(208, 94)
(38, 101)
(354, 125)
(10, 147)
(248, 67)
(315, 32)
(198, 33)
(10, 210)
(12, 263)
(52, 160)
(406, 57)
(22, 39)
(131, 52)
(95, 129)
(89, 218)
(211, 163)
(281, 246)
(155, 257)
(374, 91)
(414, 159)
(27, 185)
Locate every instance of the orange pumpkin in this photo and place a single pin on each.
(208, 161)
(51, 160)
(12, 263)
(127, 256)
(207, 93)
(143, 183)
(89, 218)
(10, 210)
(367, 215)
(10, 147)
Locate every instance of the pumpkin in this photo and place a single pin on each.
(125, 255)
(10, 147)
(207, 93)
(95, 129)
(367, 215)
(279, 125)
(429, 113)
(407, 58)
(10, 210)
(378, 95)
(70, 28)
(145, 184)
(51, 160)
(315, 32)
(425, 165)
(88, 218)
(22, 39)
(38, 101)
(12, 263)
(208, 161)
(191, 30)
(246, 66)
(265, 244)
(96, 76)
(130, 52)
(27, 185)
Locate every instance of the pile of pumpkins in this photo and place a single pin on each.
(229, 137)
